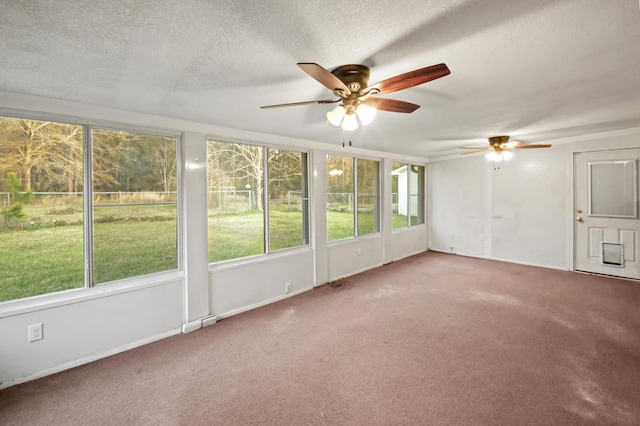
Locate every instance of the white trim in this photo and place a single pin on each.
(199, 323)
(262, 303)
(88, 359)
(241, 262)
(498, 259)
(404, 256)
(191, 326)
(69, 297)
(357, 271)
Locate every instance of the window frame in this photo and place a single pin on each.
(422, 196)
(88, 198)
(377, 214)
(121, 284)
(306, 170)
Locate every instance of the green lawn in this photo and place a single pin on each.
(44, 257)
(40, 261)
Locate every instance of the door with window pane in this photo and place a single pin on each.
(606, 223)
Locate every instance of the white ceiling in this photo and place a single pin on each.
(538, 70)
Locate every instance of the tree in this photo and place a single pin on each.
(241, 165)
(16, 198)
(285, 172)
(342, 181)
(48, 156)
(161, 154)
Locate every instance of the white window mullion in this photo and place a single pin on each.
(88, 206)
(355, 196)
(265, 197)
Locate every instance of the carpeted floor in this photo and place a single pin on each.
(434, 339)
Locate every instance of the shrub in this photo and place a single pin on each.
(17, 199)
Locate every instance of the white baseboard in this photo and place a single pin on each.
(199, 323)
(498, 259)
(263, 303)
(87, 359)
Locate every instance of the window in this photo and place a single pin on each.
(340, 202)
(612, 189)
(288, 199)
(258, 200)
(416, 195)
(367, 200)
(349, 211)
(134, 204)
(41, 184)
(50, 213)
(407, 200)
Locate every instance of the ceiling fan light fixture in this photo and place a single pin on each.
(350, 122)
(336, 115)
(499, 156)
(501, 149)
(493, 156)
(366, 113)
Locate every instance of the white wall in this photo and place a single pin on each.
(87, 324)
(531, 197)
(84, 325)
(249, 283)
(456, 204)
(520, 210)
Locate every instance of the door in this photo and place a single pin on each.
(607, 227)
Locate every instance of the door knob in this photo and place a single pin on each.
(579, 219)
(579, 210)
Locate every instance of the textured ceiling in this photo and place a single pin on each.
(537, 70)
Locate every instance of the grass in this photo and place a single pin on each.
(40, 261)
(128, 249)
(46, 254)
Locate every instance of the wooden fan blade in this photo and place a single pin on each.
(540, 145)
(325, 101)
(476, 151)
(325, 78)
(391, 105)
(411, 78)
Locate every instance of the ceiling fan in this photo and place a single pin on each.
(350, 83)
(500, 148)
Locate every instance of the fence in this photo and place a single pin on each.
(231, 200)
(227, 200)
(142, 197)
(66, 208)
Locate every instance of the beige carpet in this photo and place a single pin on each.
(433, 339)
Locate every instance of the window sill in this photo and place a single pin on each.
(260, 258)
(420, 226)
(11, 308)
(348, 240)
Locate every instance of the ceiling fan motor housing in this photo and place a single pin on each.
(355, 77)
(498, 140)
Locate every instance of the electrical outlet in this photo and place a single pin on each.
(359, 251)
(36, 332)
(287, 287)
